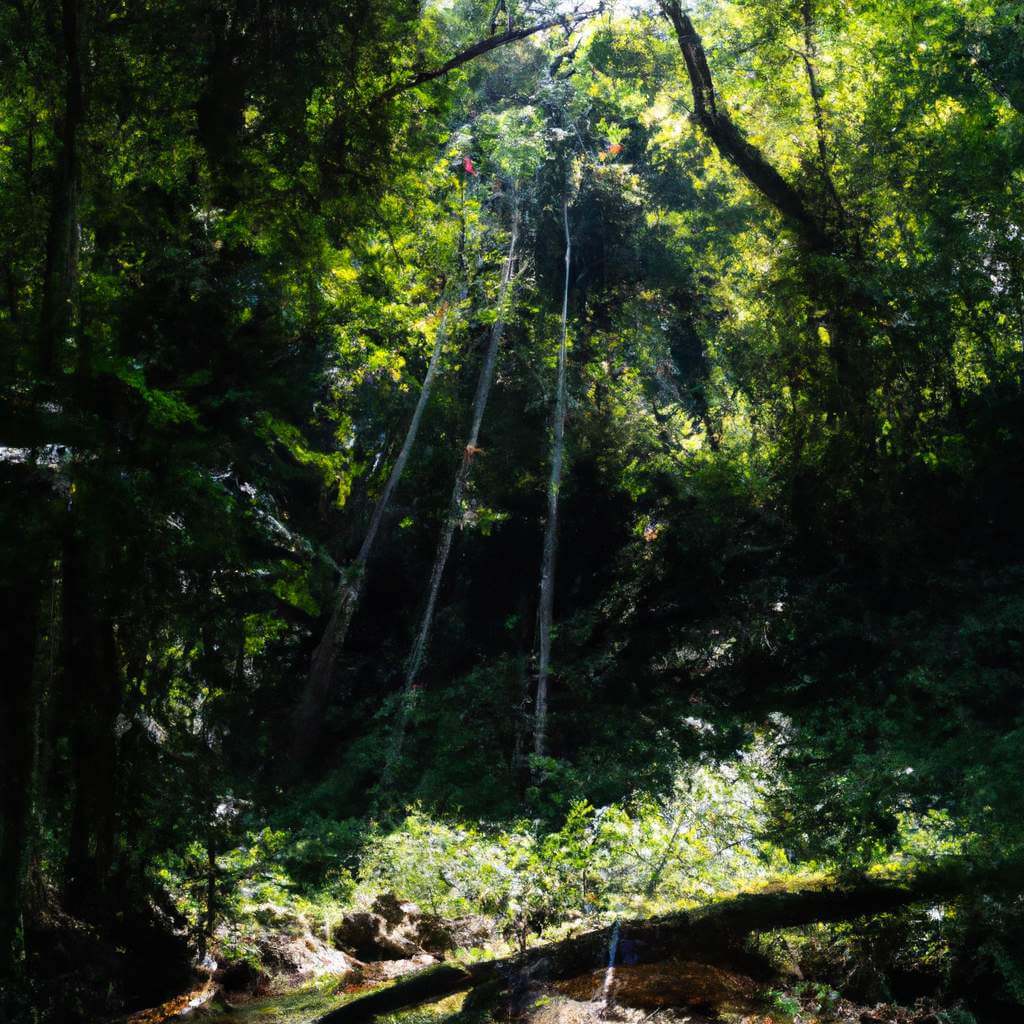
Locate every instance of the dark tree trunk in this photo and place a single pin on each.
(834, 283)
(92, 696)
(62, 240)
(317, 691)
(20, 597)
(735, 147)
(546, 607)
(485, 381)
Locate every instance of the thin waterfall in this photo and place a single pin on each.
(609, 974)
(547, 574)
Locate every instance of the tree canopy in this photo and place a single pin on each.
(468, 427)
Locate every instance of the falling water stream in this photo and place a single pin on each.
(609, 974)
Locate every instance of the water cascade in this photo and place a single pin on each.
(609, 974)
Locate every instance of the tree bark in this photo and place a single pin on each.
(731, 143)
(714, 931)
(454, 516)
(20, 599)
(92, 693)
(478, 49)
(550, 552)
(309, 717)
(62, 241)
(841, 293)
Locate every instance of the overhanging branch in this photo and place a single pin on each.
(478, 49)
(733, 145)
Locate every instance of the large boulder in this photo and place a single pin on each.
(395, 929)
(440, 935)
(369, 936)
(395, 911)
(287, 953)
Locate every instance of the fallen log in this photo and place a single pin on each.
(713, 932)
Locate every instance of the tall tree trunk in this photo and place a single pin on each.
(842, 293)
(810, 59)
(735, 147)
(209, 922)
(545, 610)
(308, 720)
(454, 516)
(523, 716)
(62, 240)
(92, 695)
(20, 601)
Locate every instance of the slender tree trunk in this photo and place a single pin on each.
(469, 452)
(547, 573)
(321, 674)
(210, 917)
(523, 721)
(62, 241)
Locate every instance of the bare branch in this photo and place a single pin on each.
(479, 48)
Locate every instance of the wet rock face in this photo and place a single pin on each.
(674, 983)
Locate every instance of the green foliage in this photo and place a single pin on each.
(649, 856)
(789, 600)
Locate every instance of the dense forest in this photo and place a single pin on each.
(537, 485)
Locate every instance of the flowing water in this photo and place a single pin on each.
(609, 974)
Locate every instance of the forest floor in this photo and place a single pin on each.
(300, 977)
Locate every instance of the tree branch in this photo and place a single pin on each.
(478, 49)
(731, 143)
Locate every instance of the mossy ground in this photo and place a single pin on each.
(309, 1003)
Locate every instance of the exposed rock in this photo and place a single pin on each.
(395, 929)
(439, 935)
(300, 958)
(388, 970)
(369, 936)
(359, 934)
(288, 954)
(395, 911)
